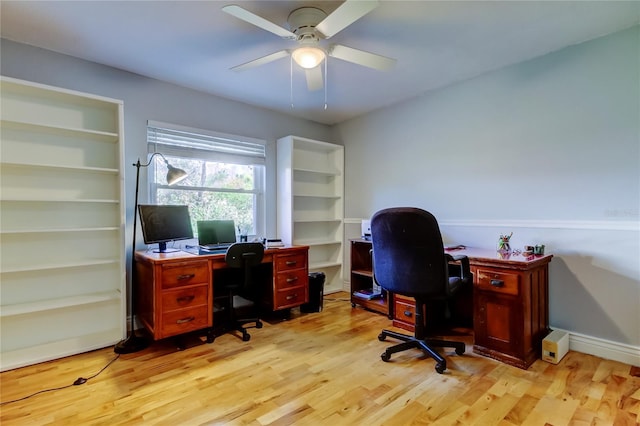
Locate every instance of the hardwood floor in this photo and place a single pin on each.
(317, 369)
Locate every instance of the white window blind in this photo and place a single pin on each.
(182, 141)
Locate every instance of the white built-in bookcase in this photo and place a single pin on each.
(310, 202)
(62, 267)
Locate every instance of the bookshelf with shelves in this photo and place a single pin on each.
(62, 231)
(310, 202)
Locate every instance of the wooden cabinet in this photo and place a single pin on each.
(310, 202)
(291, 280)
(511, 309)
(362, 277)
(61, 189)
(175, 291)
(173, 297)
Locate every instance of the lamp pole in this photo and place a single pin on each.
(134, 342)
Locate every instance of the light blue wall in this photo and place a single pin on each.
(548, 149)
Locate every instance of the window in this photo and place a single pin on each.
(226, 175)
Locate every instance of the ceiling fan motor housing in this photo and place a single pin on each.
(303, 21)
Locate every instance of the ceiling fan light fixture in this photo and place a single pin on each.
(308, 57)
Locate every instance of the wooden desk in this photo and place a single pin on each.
(510, 301)
(174, 291)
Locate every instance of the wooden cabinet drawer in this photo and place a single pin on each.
(404, 310)
(294, 296)
(499, 282)
(185, 273)
(185, 320)
(291, 262)
(295, 278)
(185, 298)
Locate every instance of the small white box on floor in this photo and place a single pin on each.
(555, 346)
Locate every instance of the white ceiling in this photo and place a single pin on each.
(194, 43)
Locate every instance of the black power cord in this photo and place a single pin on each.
(79, 381)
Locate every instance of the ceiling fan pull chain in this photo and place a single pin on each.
(291, 80)
(326, 81)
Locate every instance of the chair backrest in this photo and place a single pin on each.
(408, 253)
(244, 255)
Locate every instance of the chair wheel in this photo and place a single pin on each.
(460, 351)
(381, 337)
(441, 366)
(210, 339)
(246, 337)
(258, 324)
(385, 357)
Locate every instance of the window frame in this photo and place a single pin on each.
(213, 155)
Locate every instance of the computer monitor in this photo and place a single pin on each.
(216, 232)
(164, 223)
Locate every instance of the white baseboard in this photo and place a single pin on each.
(602, 348)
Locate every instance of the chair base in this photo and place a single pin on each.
(411, 342)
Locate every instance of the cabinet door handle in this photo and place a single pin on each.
(292, 296)
(184, 320)
(292, 279)
(408, 314)
(185, 277)
(497, 283)
(185, 299)
(291, 262)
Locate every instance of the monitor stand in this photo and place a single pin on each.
(162, 248)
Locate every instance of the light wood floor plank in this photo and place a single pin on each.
(317, 369)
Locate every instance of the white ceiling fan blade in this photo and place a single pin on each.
(348, 12)
(258, 21)
(360, 57)
(261, 61)
(314, 78)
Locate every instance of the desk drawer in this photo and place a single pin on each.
(185, 273)
(291, 262)
(294, 296)
(286, 280)
(404, 310)
(185, 298)
(498, 282)
(185, 320)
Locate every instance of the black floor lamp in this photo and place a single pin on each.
(134, 342)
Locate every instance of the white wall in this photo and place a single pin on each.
(548, 149)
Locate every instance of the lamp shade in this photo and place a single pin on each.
(308, 57)
(174, 174)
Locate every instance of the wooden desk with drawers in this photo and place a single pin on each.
(174, 291)
(509, 307)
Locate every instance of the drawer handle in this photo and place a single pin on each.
(293, 296)
(185, 277)
(185, 299)
(291, 262)
(292, 279)
(185, 320)
(497, 283)
(408, 314)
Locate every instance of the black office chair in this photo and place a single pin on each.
(244, 296)
(409, 259)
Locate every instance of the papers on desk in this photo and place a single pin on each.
(273, 243)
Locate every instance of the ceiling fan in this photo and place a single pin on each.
(309, 25)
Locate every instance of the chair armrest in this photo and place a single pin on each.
(462, 268)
